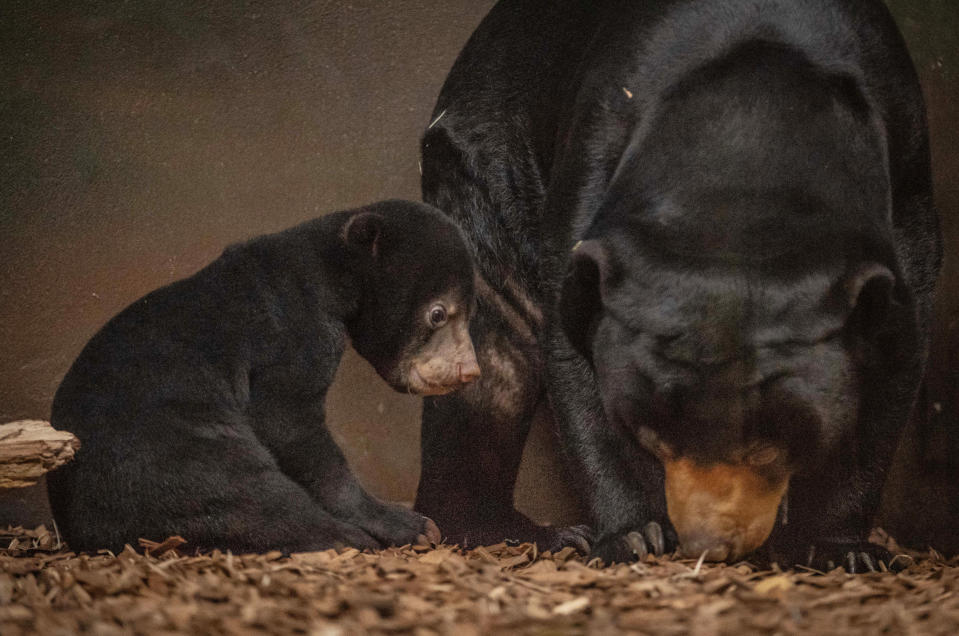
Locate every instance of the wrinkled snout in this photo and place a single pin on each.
(446, 363)
(723, 510)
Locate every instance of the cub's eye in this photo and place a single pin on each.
(437, 316)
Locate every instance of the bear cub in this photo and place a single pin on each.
(200, 407)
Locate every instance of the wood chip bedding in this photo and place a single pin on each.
(160, 588)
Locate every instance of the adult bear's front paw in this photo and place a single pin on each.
(324, 534)
(852, 555)
(578, 537)
(632, 544)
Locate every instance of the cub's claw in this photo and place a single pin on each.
(431, 534)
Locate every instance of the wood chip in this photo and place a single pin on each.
(578, 604)
(159, 549)
(30, 448)
(774, 585)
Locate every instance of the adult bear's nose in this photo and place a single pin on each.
(714, 548)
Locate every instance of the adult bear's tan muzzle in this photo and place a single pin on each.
(725, 510)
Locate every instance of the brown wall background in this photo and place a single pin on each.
(138, 139)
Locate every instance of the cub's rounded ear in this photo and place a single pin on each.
(362, 232)
(870, 298)
(581, 298)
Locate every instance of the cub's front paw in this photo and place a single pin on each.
(396, 525)
(332, 533)
(626, 546)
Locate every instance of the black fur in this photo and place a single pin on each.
(200, 408)
(752, 183)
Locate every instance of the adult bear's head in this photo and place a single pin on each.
(737, 289)
(735, 378)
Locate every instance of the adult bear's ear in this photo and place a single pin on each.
(362, 232)
(581, 299)
(869, 292)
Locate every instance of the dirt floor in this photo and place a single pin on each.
(495, 590)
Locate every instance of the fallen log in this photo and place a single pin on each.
(30, 448)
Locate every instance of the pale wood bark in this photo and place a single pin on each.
(30, 448)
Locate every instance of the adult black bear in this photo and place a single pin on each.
(200, 408)
(707, 240)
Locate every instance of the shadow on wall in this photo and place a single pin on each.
(141, 138)
(921, 502)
